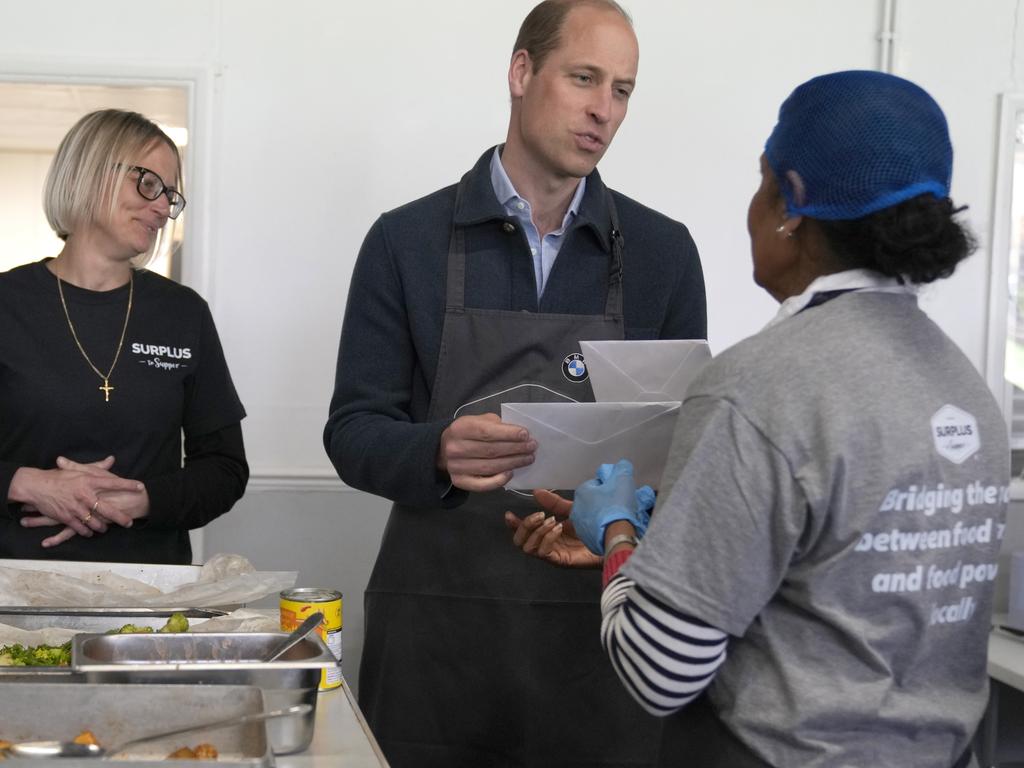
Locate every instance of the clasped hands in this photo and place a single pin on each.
(84, 498)
(572, 533)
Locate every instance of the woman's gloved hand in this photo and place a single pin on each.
(611, 496)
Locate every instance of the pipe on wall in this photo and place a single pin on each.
(887, 37)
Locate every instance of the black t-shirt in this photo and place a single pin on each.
(171, 376)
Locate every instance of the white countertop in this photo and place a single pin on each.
(340, 736)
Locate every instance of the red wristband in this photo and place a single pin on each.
(614, 561)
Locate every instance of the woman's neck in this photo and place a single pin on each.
(88, 268)
(812, 258)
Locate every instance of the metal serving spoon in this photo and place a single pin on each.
(71, 749)
(298, 634)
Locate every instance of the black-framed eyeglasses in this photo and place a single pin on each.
(151, 186)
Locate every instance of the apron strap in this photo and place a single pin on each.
(455, 291)
(455, 287)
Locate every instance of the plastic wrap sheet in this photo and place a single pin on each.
(225, 580)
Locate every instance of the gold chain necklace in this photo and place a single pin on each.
(106, 388)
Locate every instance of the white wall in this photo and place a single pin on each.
(19, 170)
(313, 117)
(316, 118)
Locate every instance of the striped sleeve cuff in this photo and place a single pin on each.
(663, 657)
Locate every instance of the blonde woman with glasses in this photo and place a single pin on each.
(111, 374)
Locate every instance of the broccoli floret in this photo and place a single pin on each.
(177, 623)
(17, 655)
(129, 629)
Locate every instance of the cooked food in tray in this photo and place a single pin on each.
(17, 655)
(201, 752)
(121, 714)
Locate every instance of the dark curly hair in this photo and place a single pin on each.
(918, 240)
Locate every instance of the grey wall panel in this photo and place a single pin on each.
(330, 537)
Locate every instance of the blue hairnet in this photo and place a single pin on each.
(860, 141)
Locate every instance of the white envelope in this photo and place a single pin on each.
(573, 439)
(643, 371)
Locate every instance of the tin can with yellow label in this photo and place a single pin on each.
(297, 604)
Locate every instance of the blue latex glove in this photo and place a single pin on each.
(611, 496)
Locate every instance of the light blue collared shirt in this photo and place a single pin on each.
(544, 251)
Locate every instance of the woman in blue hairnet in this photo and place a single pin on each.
(820, 561)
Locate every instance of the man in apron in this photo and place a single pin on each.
(475, 655)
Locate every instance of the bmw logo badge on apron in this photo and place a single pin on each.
(574, 368)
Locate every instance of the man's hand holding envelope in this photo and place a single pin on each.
(480, 452)
(648, 380)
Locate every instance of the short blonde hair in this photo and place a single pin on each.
(91, 164)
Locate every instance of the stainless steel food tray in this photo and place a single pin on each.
(116, 713)
(231, 658)
(38, 675)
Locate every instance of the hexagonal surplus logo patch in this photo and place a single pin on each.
(955, 433)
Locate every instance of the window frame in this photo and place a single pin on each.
(999, 300)
(197, 82)
(1011, 108)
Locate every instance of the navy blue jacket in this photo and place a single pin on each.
(376, 434)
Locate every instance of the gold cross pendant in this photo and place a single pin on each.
(107, 389)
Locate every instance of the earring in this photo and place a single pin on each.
(782, 228)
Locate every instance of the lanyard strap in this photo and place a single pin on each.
(613, 304)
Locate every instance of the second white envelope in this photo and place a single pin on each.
(646, 371)
(573, 439)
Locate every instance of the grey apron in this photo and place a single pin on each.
(475, 653)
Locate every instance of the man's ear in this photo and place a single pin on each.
(520, 70)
